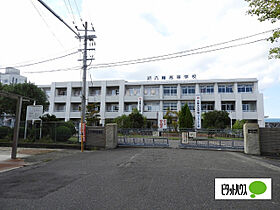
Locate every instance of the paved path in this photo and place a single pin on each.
(134, 178)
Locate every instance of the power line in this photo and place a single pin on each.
(54, 70)
(78, 11)
(47, 24)
(43, 61)
(35, 60)
(74, 20)
(157, 59)
(185, 51)
(172, 57)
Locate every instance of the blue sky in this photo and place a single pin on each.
(135, 29)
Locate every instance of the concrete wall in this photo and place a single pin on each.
(270, 140)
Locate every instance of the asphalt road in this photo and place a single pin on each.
(134, 178)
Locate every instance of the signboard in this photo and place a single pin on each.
(172, 77)
(184, 138)
(82, 130)
(192, 134)
(162, 123)
(34, 112)
(198, 111)
(140, 105)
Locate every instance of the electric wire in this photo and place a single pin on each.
(54, 70)
(185, 51)
(172, 57)
(77, 8)
(157, 59)
(43, 61)
(35, 60)
(48, 26)
(74, 20)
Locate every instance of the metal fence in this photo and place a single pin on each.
(204, 138)
(43, 132)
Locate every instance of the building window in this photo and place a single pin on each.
(207, 89)
(207, 106)
(228, 106)
(132, 91)
(94, 91)
(76, 91)
(172, 106)
(225, 89)
(151, 91)
(61, 91)
(170, 90)
(128, 107)
(59, 107)
(75, 107)
(151, 107)
(188, 90)
(190, 105)
(112, 91)
(249, 106)
(245, 88)
(112, 107)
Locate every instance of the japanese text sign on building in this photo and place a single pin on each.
(198, 112)
(171, 77)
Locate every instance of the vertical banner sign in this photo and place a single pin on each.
(162, 124)
(198, 111)
(140, 104)
(82, 131)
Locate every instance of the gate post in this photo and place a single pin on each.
(111, 136)
(251, 139)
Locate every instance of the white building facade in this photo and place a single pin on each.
(12, 76)
(240, 97)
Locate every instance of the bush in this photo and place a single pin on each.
(63, 133)
(71, 126)
(4, 132)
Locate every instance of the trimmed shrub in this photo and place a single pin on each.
(63, 133)
(71, 126)
(4, 132)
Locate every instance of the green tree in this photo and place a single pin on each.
(267, 10)
(172, 118)
(30, 90)
(185, 117)
(136, 119)
(216, 119)
(238, 124)
(49, 118)
(92, 115)
(123, 121)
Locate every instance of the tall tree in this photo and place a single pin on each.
(185, 117)
(172, 117)
(267, 10)
(92, 114)
(30, 90)
(136, 119)
(216, 119)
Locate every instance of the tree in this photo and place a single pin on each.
(267, 10)
(136, 119)
(49, 118)
(172, 117)
(92, 115)
(216, 119)
(238, 124)
(185, 117)
(123, 121)
(30, 90)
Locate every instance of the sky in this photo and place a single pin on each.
(127, 29)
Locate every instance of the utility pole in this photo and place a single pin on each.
(86, 37)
